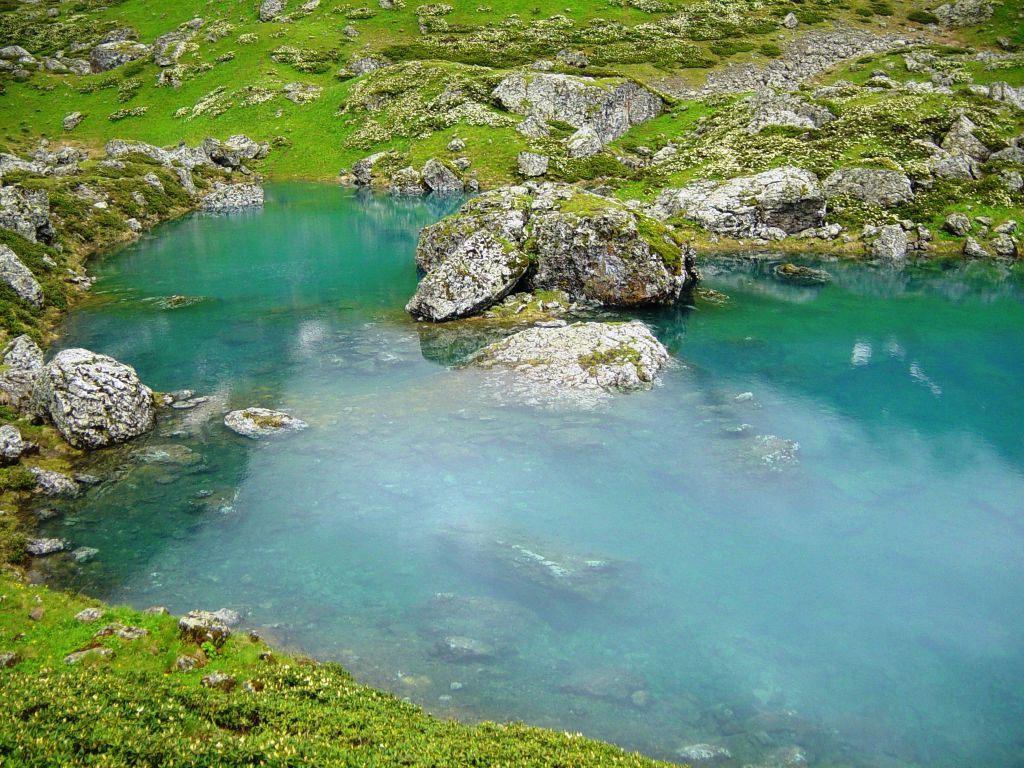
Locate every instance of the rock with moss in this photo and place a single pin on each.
(107, 56)
(531, 164)
(960, 140)
(262, 422)
(580, 363)
(235, 151)
(887, 189)
(768, 205)
(964, 13)
(93, 400)
(771, 108)
(203, 627)
(363, 170)
(26, 212)
(20, 364)
(482, 270)
(608, 107)
(19, 278)
(51, 483)
(800, 275)
(270, 10)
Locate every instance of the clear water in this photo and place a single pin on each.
(865, 603)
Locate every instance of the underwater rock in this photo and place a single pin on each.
(610, 684)
(261, 422)
(599, 357)
(93, 400)
(703, 754)
(799, 275)
(50, 483)
(43, 547)
(498, 623)
(180, 455)
(459, 649)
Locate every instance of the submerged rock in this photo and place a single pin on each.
(50, 483)
(798, 275)
(93, 400)
(459, 649)
(703, 754)
(768, 205)
(611, 684)
(261, 422)
(43, 547)
(599, 357)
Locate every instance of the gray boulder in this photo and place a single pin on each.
(11, 445)
(363, 170)
(440, 179)
(879, 187)
(610, 107)
(93, 400)
(775, 108)
(50, 483)
(21, 362)
(482, 270)
(947, 166)
(888, 244)
(531, 164)
(232, 197)
(27, 213)
(584, 143)
(974, 250)
(768, 205)
(19, 277)
(964, 13)
(107, 56)
(262, 422)
(72, 120)
(1004, 245)
(234, 151)
(584, 362)
(406, 182)
(271, 9)
(957, 224)
(202, 627)
(961, 141)
(170, 47)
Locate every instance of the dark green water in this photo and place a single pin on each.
(863, 603)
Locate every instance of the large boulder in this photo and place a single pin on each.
(885, 188)
(583, 244)
(26, 212)
(20, 364)
(480, 271)
(964, 13)
(19, 277)
(774, 108)
(107, 56)
(609, 106)
(888, 245)
(961, 141)
(93, 400)
(271, 9)
(440, 179)
(768, 205)
(234, 151)
(583, 361)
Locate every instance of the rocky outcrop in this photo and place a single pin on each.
(21, 362)
(93, 400)
(262, 422)
(772, 108)
(961, 141)
(27, 213)
(1001, 91)
(531, 164)
(233, 152)
(964, 13)
(482, 270)
(19, 278)
(768, 205)
(879, 187)
(363, 170)
(232, 197)
(587, 246)
(440, 179)
(608, 107)
(578, 360)
(801, 275)
(270, 10)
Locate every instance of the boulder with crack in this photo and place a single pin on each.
(92, 399)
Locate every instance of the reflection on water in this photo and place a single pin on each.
(670, 570)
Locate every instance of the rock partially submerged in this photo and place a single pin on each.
(584, 362)
(550, 237)
(232, 197)
(768, 205)
(261, 422)
(92, 399)
(800, 275)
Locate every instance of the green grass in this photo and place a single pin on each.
(132, 710)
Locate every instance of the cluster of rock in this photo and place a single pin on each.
(434, 177)
(600, 110)
(551, 237)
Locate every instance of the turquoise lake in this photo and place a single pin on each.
(861, 599)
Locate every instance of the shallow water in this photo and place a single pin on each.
(862, 602)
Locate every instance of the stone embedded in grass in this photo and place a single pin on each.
(20, 364)
(121, 630)
(72, 120)
(204, 626)
(532, 164)
(270, 10)
(9, 659)
(19, 278)
(89, 615)
(89, 654)
(219, 681)
(26, 212)
(879, 187)
(261, 422)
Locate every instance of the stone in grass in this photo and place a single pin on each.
(19, 278)
(8, 659)
(219, 681)
(88, 654)
(204, 626)
(121, 630)
(957, 224)
(261, 422)
(531, 164)
(89, 615)
(798, 275)
(190, 661)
